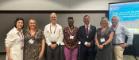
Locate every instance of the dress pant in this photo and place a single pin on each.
(118, 52)
(62, 52)
(53, 54)
(86, 53)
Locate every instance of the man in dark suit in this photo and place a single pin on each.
(86, 36)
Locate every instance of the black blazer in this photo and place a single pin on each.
(82, 36)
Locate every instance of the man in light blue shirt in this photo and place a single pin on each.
(119, 39)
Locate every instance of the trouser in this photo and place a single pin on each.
(86, 53)
(118, 52)
(53, 54)
(70, 54)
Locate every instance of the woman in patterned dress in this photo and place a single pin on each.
(34, 42)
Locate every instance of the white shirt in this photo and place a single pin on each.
(14, 37)
(120, 33)
(14, 41)
(53, 34)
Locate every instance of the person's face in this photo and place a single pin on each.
(32, 24)
(53, 19)
(19, 24)
(115, 21)
(86, 20)
(104, 24)
(70, 22)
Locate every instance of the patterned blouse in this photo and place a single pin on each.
(70, 37)
(32, 45)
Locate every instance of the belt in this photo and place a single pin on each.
(53, 42)
(118, 44)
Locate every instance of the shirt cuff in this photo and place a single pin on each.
(60, 43)
(79, 42)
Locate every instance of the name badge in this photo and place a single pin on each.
(102, 40)
(31, 41)
(71, 37)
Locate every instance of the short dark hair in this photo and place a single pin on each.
(70, 18)
(86, 15)
(17, 19)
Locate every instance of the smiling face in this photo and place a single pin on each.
(104, 22)
(70, 22)
(53, 18)
(86, 20)
(115, 20)
(19, 24)
(32, 24)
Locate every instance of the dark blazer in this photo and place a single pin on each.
(82, 36)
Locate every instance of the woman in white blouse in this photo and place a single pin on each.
(14, 41)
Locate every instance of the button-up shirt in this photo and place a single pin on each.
(53, 33)
(14, 37)
(120, 34)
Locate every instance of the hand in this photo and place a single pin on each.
(39, 58)
(123, 45)
(101, 46)
(53, 46)
(9, 58)
(74, 46)
(67, 46)
(88, 45)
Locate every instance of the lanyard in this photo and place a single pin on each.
(71, 31)
(54, 30)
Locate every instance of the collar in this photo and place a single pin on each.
(88, 25)
(53, 25)
(16, 31)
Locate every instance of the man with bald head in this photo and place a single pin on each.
(119, 38)
(54, 38)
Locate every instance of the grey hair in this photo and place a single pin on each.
(116, 18)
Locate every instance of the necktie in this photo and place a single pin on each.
(86, 30)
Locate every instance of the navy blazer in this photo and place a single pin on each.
(82, 36)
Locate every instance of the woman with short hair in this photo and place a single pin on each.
(14, 41)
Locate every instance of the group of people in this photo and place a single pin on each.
(71, 43)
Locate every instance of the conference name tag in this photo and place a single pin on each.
(71, 37)
(31, 41)
(102, 40)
